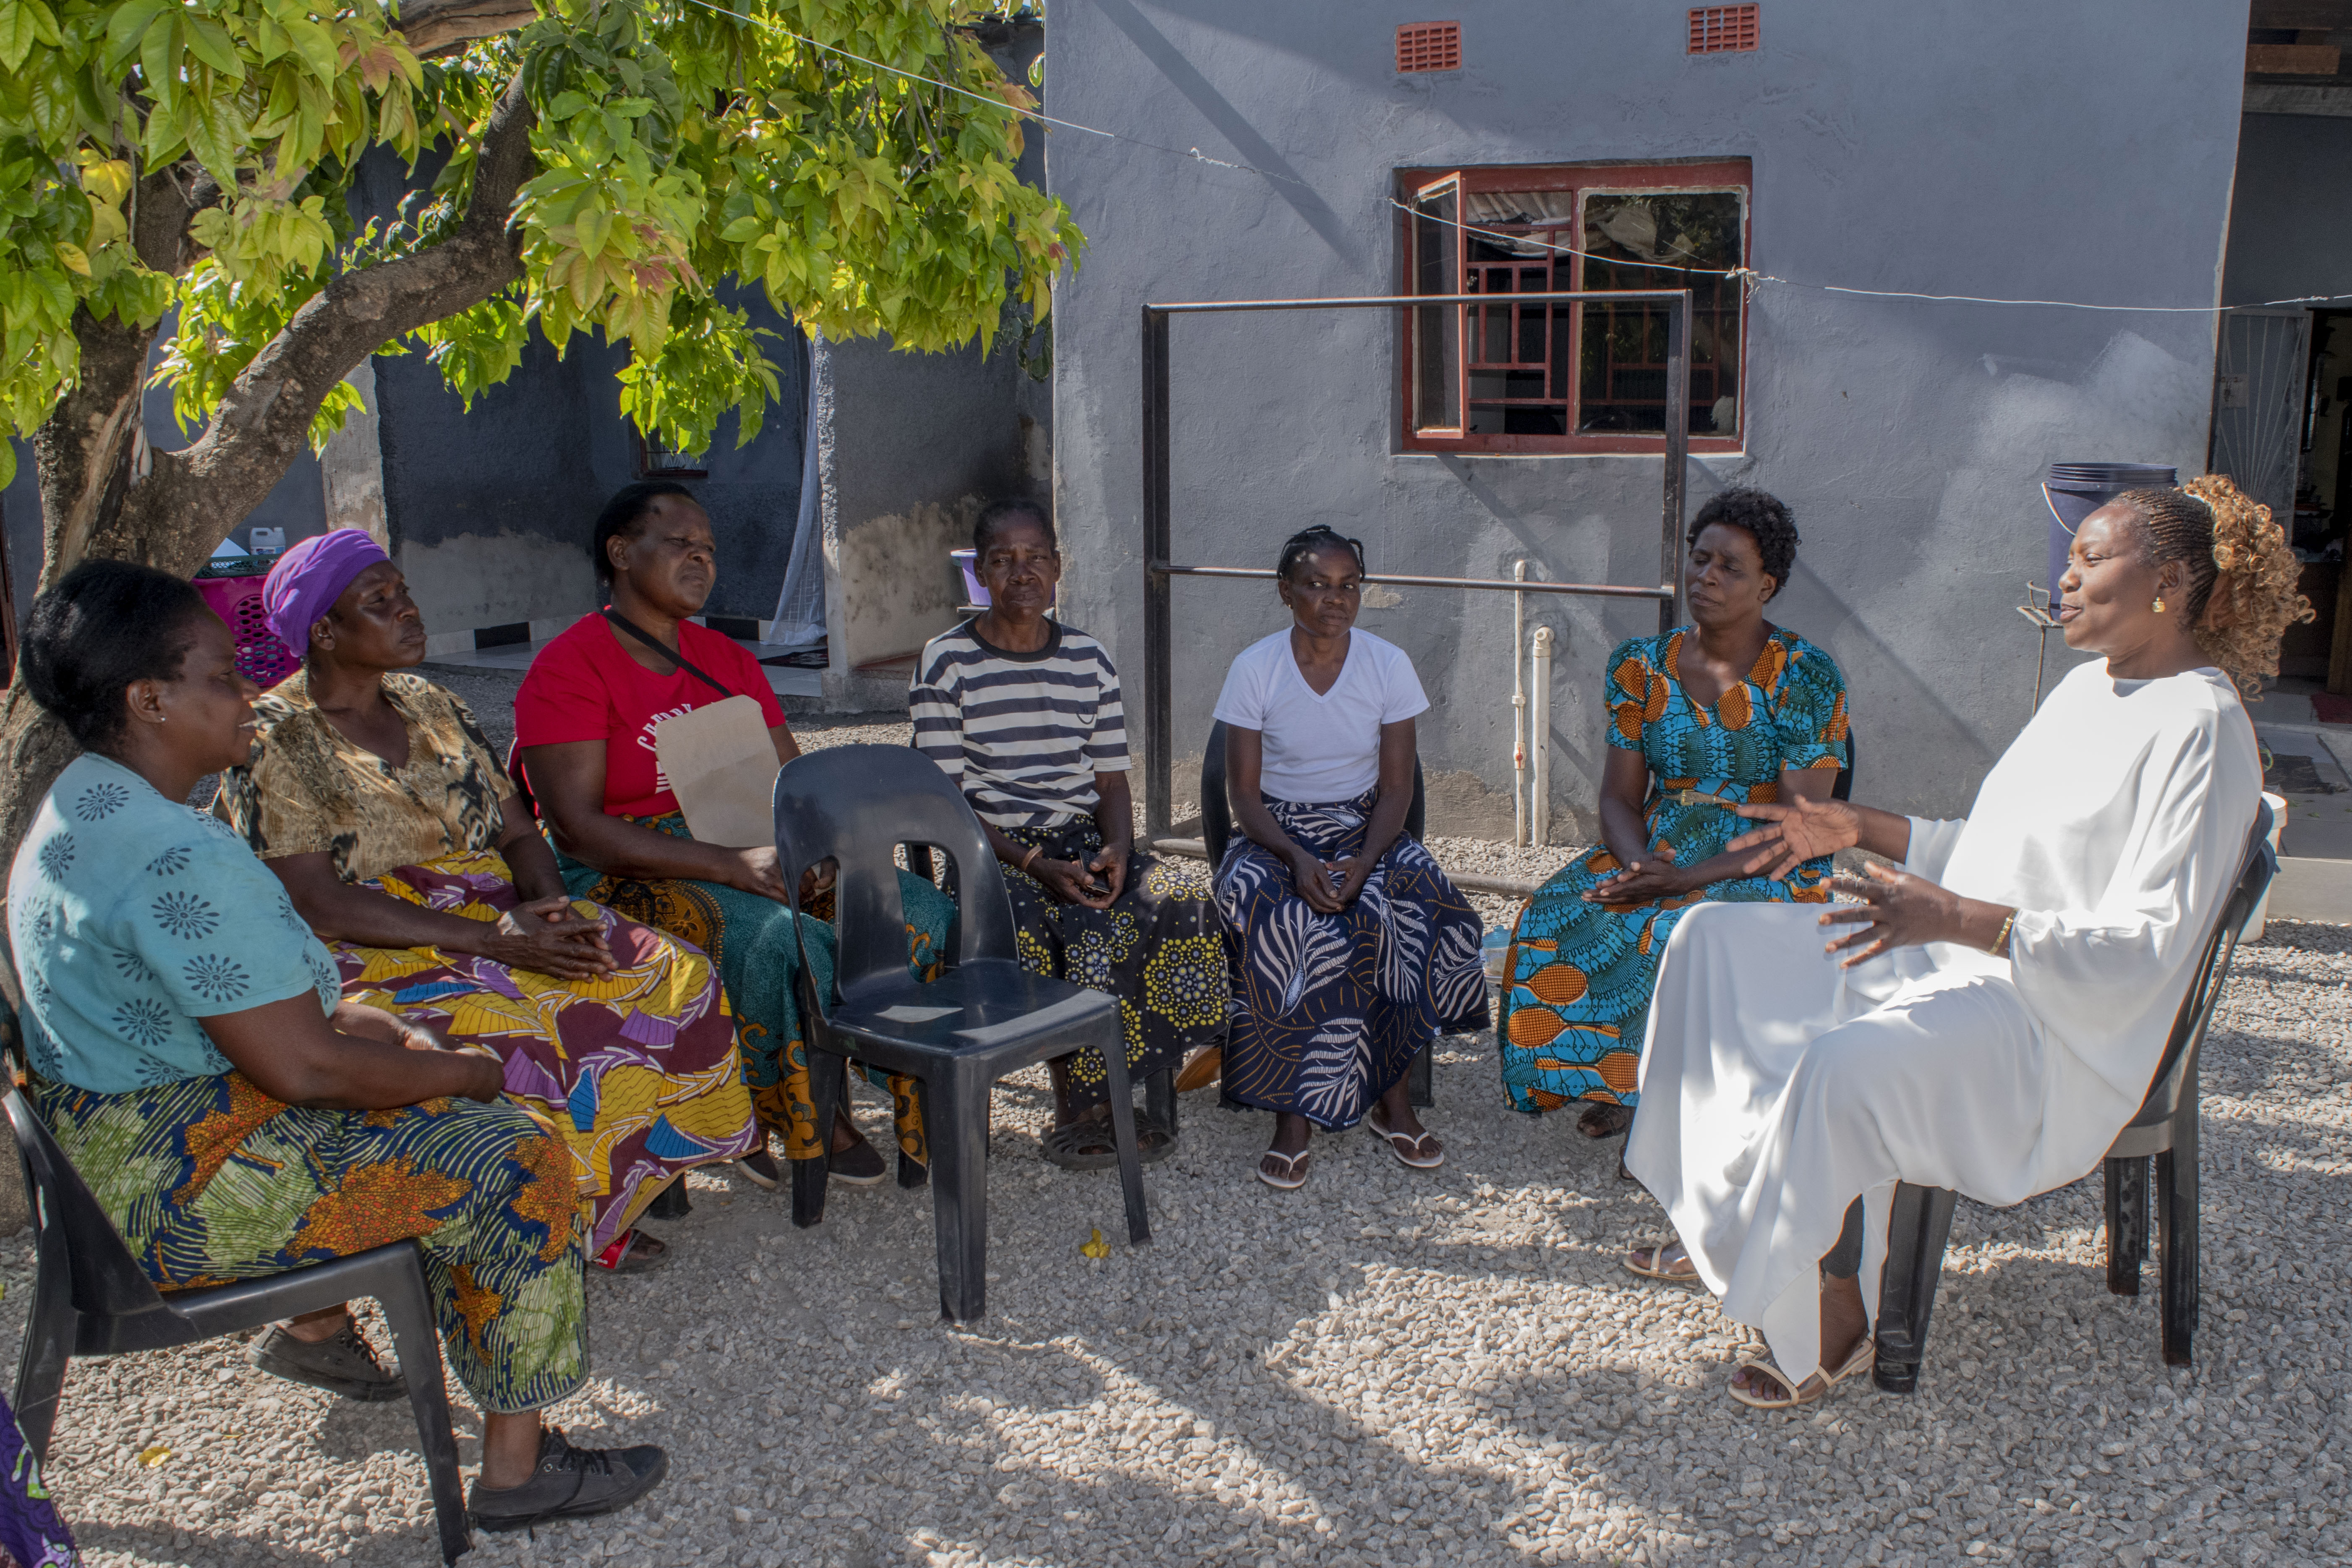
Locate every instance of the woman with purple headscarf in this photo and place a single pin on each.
(374, 797)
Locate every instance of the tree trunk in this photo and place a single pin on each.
(105, 495)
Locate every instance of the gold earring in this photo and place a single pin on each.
(2157, 606)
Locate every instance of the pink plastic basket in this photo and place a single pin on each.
(260, 657)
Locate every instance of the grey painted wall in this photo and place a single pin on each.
(1890, 149)
(2291, 222)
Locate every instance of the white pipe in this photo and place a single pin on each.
(1540, 720)
(1518, 709)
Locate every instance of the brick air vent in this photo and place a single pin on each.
(1719, 29)
(1430, 47)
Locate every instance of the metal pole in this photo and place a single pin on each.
(1540, 696)
(1677, 460)
(1159, 697)
(1498, 585)
(1518, 708)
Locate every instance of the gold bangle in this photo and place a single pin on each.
(2001, 942)
(1035, 851)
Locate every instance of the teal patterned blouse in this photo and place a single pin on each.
(132, 916)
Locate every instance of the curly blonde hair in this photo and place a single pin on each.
(2242, 575)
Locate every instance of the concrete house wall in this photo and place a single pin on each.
(1893, 147)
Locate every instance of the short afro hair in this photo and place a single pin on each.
(998, 515)
(105, 625)
(1768, 521)
(629, 503)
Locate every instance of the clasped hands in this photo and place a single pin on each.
(1327, 886)
(1094, 883)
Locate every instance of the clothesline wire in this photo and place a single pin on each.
(1748, 277)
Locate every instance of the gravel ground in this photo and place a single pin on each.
(1386, 1367)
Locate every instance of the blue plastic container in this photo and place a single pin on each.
(2075, 491)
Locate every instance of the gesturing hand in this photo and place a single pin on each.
(1894, 909)
(1799, 831)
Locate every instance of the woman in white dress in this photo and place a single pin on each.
(1987, 1017)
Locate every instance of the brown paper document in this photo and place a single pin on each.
(721, 765)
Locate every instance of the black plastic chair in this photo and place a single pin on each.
(1217, 831)
(2165, 1128)
(90, 1298)
(983, 1018)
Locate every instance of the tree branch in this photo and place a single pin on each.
(174, 517)
(441, 26)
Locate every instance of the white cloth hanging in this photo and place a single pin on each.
(1776, 1087)
(800, 603)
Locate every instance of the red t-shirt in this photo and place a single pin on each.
(583, 686)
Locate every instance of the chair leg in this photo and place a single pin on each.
(2176, 1201)
(1122, 1132)
(1418, 1077)
(417, 1337)
(828, 1087)
(2127, 1223)
(51, 1326)
(1160, 1099)
(1916, 1230)
(955, 1120)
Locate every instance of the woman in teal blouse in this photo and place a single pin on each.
(191, 1051)
(1729, 710)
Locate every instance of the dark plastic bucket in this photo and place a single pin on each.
(2075, 491)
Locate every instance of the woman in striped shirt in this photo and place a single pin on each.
(1023, 714)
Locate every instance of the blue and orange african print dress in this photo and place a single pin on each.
(1578, 1000)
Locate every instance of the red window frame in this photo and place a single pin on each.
(1454, 322)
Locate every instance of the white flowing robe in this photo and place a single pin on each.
(1776, 1087)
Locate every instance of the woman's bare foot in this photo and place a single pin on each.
(1844, 1326)
(1603, 1119)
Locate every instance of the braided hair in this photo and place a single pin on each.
(1310, 542)
(2241, 576)
(1767, 520)
(629, 503)
(998, 515)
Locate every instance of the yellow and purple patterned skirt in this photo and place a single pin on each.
(636, 1071)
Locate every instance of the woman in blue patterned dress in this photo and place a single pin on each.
(1727, 710)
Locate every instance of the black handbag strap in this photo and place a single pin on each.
(648, 639)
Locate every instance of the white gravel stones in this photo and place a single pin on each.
(1386, 1367)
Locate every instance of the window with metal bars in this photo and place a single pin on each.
(1570, 376)
(1719, 29)
(1429, 47)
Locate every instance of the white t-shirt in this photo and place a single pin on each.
(1326, 748)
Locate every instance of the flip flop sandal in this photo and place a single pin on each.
(1294, 1173)
(621, 1256)
(1207, 1067)
(1406, 1148)
(1864, 1355)
(1657, 1268)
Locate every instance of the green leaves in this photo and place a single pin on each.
(676, 148)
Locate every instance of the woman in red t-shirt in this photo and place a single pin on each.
(585, 723)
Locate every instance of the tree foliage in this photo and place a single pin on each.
(672, 146)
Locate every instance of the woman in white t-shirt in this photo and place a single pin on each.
(1351, 950)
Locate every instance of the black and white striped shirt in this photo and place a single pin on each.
(1023, 734)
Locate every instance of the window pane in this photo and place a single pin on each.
(1514, 245)
(1643, 239)
(1436, 345)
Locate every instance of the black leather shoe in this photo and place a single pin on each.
(343, 1363)
(569, 1483)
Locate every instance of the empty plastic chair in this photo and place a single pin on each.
(983, 1018)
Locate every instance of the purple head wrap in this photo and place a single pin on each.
(307, 580)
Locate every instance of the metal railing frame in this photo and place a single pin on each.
(1159, 695)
